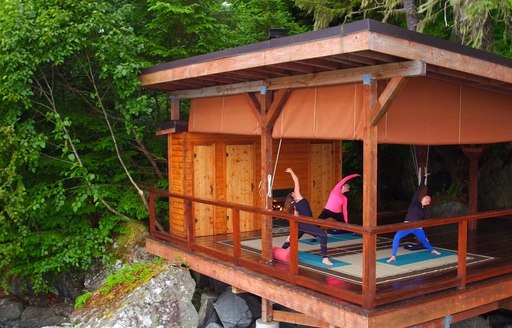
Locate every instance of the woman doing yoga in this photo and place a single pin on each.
(417, 211)
(299, 205)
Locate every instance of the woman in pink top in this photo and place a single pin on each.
(336, 206)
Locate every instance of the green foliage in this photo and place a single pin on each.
(81, 300)
(121, 282)
(77, 139)
(66, 67)
(251, 20)
(327, 12)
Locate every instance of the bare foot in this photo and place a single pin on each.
(326, 261)
(435, 252)
(391, 259)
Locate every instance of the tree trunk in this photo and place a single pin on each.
(411, 14)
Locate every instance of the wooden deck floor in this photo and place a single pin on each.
(492, 238)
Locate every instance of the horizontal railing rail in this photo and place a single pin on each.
(368, 233)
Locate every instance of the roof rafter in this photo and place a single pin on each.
(350, 75)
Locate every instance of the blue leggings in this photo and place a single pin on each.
(418, 232)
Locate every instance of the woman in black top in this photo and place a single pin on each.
(299, 205)
(417, 211)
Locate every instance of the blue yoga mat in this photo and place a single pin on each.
(316, 260)
(330, 239)
(416, 257)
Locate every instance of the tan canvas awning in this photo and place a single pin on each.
(426, 111)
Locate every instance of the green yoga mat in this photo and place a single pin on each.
(316, 260)
(416, 257)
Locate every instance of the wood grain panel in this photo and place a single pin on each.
(204, 173)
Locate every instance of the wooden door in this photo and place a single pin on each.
(240, 185)
(204, 173)
(322, 175)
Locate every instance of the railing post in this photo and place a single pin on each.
(151, 213)
(237, 248)
(189, 222)
(462, 253)
(294, 248)
(369, 283)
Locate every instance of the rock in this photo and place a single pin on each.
(213, 325)
(207, 312)
(35, 316)
(70, 285)
(475, 322)
(132, 239)
(10, 309)
(233, 310)
(165, 301)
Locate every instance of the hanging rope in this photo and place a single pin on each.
(426, 165)
(415, 163)
(275, 167)
(270, 178)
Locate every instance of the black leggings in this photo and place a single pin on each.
(330, 214)
(316, 232)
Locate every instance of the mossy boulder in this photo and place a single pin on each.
(132, 236)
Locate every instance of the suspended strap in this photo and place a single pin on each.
(275, 167)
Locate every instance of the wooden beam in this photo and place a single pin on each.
(254, 104)
(236, 290)
(281, 97)
(349, 75)
(439, 57)
(386, 98)
(369, 284)
(298, 319)
(471, 299)
(276, 55)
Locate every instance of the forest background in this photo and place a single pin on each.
(78, 147)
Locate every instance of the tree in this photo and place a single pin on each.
(77, 133)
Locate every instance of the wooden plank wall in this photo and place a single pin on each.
(192, 155)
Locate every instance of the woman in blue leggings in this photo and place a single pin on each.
(417, 211)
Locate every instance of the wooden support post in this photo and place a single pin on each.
(369, 284)
(473, 154)
(175, 108)
(266, 170)
(266, 310)
(267, 110)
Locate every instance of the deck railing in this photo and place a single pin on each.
(367, 296)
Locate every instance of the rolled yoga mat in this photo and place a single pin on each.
(281, 254)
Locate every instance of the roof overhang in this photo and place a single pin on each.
(352, 51)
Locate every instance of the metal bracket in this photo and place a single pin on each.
(367, 79)
(447, 321)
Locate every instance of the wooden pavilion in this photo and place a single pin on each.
(290, 102)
